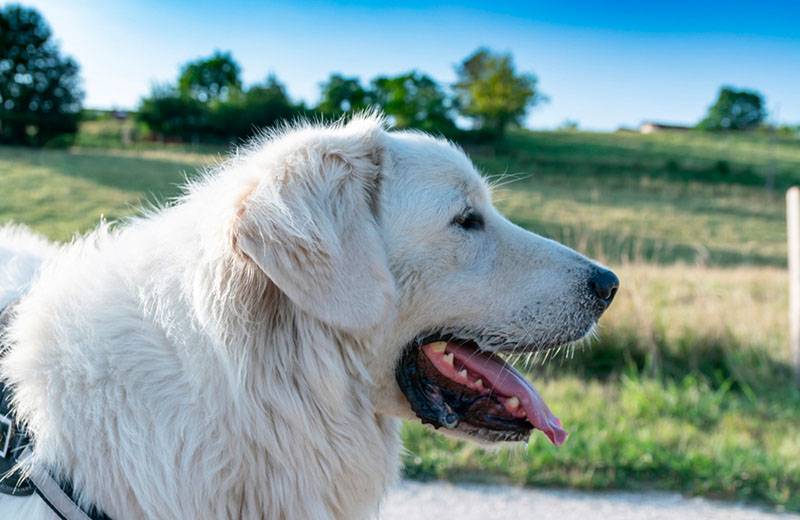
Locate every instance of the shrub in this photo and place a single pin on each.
(169, 114)
(209, 104)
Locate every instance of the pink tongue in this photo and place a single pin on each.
(507, 381)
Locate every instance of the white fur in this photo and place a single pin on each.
(21, 255)
(232, 355)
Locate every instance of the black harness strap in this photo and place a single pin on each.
(15, 444)
(13, 438)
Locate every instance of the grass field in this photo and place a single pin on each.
(687, 387)
(660, 198)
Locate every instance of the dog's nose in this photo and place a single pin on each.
(604, 285)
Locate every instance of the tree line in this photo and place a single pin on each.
(208, 101)
(41, 96)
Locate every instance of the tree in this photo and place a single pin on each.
(258, 107)
(414, 100)
(491, 93)
(40, 92)
(169, 114)
(210, 79)
(341, 94)
(268, 103)
(735, 110)
(237, 115)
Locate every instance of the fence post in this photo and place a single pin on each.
(793, 232)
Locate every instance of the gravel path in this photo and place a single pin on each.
(443, 501)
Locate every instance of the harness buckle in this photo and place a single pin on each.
(6, 432)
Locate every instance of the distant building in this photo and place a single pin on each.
(651, 127)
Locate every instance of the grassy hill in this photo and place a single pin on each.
(662, 197)
(687, 387)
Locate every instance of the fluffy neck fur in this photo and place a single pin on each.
(201, 392)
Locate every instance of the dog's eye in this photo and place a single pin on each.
(469, 220)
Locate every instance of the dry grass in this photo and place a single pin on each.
(745, 305)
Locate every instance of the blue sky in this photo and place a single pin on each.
(602, 63)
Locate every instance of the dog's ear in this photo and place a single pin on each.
(310, 224)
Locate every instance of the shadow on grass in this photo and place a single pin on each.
(615, 247)
(694, 157)
(160, 177)
(717, 360)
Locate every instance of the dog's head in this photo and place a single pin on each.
(392, 237)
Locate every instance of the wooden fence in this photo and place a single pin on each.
(793, 232)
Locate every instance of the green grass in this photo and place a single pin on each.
(687, 388)
(59, 193)
(641, 433)
(660, 198)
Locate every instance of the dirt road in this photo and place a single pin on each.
(444, 501)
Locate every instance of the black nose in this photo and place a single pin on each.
(604, 285)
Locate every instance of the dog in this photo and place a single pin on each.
(248, 350)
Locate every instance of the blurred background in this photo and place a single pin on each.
(659, 138)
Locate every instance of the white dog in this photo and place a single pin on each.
(247, 351)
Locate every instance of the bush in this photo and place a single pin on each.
(169, 114)
(247, 113)
(209, 104)
(340, 94)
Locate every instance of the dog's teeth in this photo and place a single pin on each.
(463, 373)
(479, 384)
(438, 346)
(448, 358)
(512, 403)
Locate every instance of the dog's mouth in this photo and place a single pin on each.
(453, 384)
